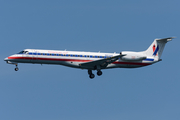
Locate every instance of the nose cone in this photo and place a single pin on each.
(6, 59)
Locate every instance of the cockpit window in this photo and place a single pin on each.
(26, 52)
(23, 52)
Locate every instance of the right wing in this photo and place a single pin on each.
(102, 62)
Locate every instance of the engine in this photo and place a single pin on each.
(132, 56)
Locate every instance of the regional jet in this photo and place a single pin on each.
(91, 60)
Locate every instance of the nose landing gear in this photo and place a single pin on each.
(16, 69)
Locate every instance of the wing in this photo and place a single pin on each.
(102, 63)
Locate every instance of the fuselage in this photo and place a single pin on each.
(91, 60)
(72, 58)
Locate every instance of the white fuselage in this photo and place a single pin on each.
(72, 58)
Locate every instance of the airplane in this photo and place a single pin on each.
(91, 60)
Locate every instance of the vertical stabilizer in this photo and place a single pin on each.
(156, 48)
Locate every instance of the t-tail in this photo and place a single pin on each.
(156, 48)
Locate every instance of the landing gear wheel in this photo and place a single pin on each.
(16, 69)
(99, 73)
(91, 76)
(89, 72)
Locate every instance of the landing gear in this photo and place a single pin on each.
(91, 75)
(16, 69)
(99, 73)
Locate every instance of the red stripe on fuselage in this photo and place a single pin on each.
(75, 60)
(53, 59)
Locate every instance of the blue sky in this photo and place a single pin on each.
(50, 92)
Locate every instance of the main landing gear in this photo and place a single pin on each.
(16, 69)
(91, 75)
(99, 73)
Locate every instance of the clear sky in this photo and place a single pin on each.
(50, 92)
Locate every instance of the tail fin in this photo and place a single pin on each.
(156, 48)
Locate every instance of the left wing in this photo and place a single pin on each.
(102, 63)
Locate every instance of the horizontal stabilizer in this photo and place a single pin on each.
(165, 39)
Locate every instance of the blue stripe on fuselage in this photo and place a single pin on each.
(148, 59)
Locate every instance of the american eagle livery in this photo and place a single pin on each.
(91, 60)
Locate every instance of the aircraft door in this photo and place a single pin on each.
(25, 56)
(35, 56)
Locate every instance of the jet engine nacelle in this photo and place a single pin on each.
(132, 56)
